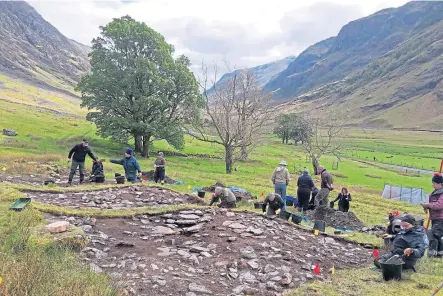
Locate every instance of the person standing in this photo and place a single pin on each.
(160, 168)
(131, 166)
(321, 199)
(343, 198)
(305, 185)
(280, 179)
(274, 202)
(435, 208)
(78, 155)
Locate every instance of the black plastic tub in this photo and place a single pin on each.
(289, 203)
(391, 271)
(296, 218)
(284, 215)
(201, 194)
(319, 225)
(120, 179)
(258, 205)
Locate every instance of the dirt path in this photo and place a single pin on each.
(211, 252)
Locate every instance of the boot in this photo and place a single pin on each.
(432, 253)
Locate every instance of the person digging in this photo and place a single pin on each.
(225, 196)
(274, 203)
(435, 209)
(97, 172)
(78, 155)
(159, 169)
(131, 166)
(322, 197)
(409, 244)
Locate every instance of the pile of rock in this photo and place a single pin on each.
(211, 252)
(9, 132)
(376, 229)
(116, 198)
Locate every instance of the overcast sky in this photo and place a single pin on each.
(244, 32)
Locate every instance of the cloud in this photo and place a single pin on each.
(246, 32)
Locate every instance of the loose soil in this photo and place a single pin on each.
(150, 176)
(335, 218)
(211, 252)
(116, 198)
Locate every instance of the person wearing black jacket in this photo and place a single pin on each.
(343, 198)
(305, 185)
(274, 202)
(78, 155)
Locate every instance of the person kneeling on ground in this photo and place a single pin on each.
(343, 198)
(131, 166)
(97, 172)
(274, 203)
(410, 244)
(435, 208)
(225, 196)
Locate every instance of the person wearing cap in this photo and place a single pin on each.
(78, 155)
(131, 166)
(280, 179)
(160, 168)
(410, 243)
(305, 186)
(322, 197)
(225, 196)
(273, 202)
(435, 208)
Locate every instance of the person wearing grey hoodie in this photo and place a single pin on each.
(280, 179)
(435, 208)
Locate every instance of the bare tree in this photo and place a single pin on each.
(327, 138)
(236, 110)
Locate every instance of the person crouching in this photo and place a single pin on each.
(274, 202)
(410, 244)
(225, 196)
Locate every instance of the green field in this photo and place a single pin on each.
(46, 136)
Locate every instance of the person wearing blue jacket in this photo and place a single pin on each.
(131, 166)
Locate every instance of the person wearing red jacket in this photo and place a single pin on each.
(435, 208)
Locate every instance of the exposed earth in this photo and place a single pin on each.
(211, 252)
(116, 198)
(335, 218)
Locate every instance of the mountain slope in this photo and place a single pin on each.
(33, 50)
(377, 71)
(263, 73)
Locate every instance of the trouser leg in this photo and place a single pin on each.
(81, 168)
(74, 166)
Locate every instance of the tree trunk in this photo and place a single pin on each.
(145, 152)
(138, 144)
(315, 164)
(228, 159)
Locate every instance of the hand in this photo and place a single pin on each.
(277, 212)
(408, 251)
(264, 213)
(387, 236)
(425, 205)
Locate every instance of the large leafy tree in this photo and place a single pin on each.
(293, 127)
(136, 89)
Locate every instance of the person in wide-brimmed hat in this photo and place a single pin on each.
(280, 179)
(435, 208)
